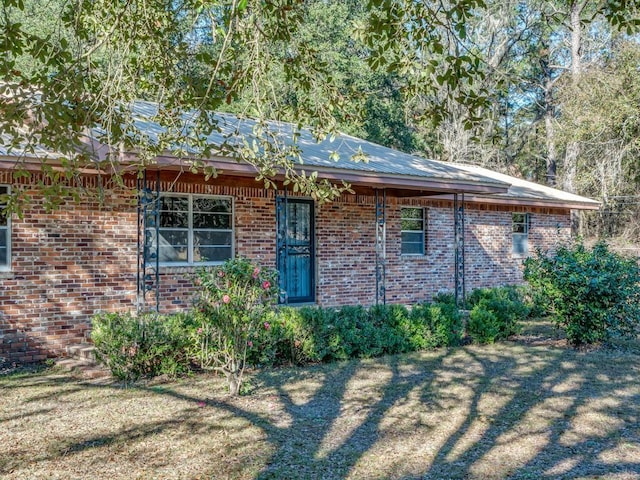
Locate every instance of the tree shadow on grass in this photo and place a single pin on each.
(507, 411)
(547, 429)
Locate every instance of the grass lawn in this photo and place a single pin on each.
(530, 408)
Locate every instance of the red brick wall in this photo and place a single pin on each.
(66, 264)
(81, 259)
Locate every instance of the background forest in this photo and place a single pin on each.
(563, 109)
(547, 90)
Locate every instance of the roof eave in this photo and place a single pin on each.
(529, 202)
(359, 178)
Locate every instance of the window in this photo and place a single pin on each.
(520, 222)
(194, 229)
(5, 234)
(412, 231)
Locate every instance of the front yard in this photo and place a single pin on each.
(530, 408)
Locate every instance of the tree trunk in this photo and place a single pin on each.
(234, 385)
(549, 117)
(551, 158)
(573, 147)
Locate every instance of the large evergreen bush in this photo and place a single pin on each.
(592, 293)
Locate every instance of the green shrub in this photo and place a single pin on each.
(507, 305)
(313, 334)
(144, 346)
(390, 321)
(448, 298)
(592, 293)
(448, 320)
(292, 340)
(483, 325)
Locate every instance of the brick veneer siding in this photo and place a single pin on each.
(65, 265)
(82, 258)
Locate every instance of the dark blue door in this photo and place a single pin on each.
(296, 258)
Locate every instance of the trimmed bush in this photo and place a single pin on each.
(593, 294)
(506, 306)
(144, 346)
(483, 325)
(312, 334)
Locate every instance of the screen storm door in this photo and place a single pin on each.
(296, 254)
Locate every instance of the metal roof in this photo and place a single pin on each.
(530, 192)
(381, 160)
(385, 167)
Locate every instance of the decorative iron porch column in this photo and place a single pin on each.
(282, 245)
(381, 247)
(458, 220)
(148, 243)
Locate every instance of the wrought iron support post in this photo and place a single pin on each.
(148, 242)
(381, 247)
(282, 247)
(458, 220)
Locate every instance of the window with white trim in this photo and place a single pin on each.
(520, 231)
(194, 229)
(413, 231)
(5, 233)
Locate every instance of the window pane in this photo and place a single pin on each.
(411, 213)
(174, 203)
(174, 219)
(209, 238)
(412, 231)
(3, 237)
(520, 244)
(212, 220)
(298, 223)
(519, 228)
(3, 219)
(411, 225)
(410, 248)
(173, 254)
(173, 246)
(412, 237)
(221, 205)
(174, 238)
(211, 254)
(4, 261)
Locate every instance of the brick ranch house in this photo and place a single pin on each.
(414, 227)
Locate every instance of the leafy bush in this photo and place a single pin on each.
(495, 313)
(483, 325)
(312, 334)
(144, 346)
(507, 306)
(592, 293)
(233, 301)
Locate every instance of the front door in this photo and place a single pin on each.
(296, 255)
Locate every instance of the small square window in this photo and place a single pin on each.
(520, 233)
(412, 231)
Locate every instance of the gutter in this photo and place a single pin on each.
(527, 201)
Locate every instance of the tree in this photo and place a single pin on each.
(75, 74)
(600, 113)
